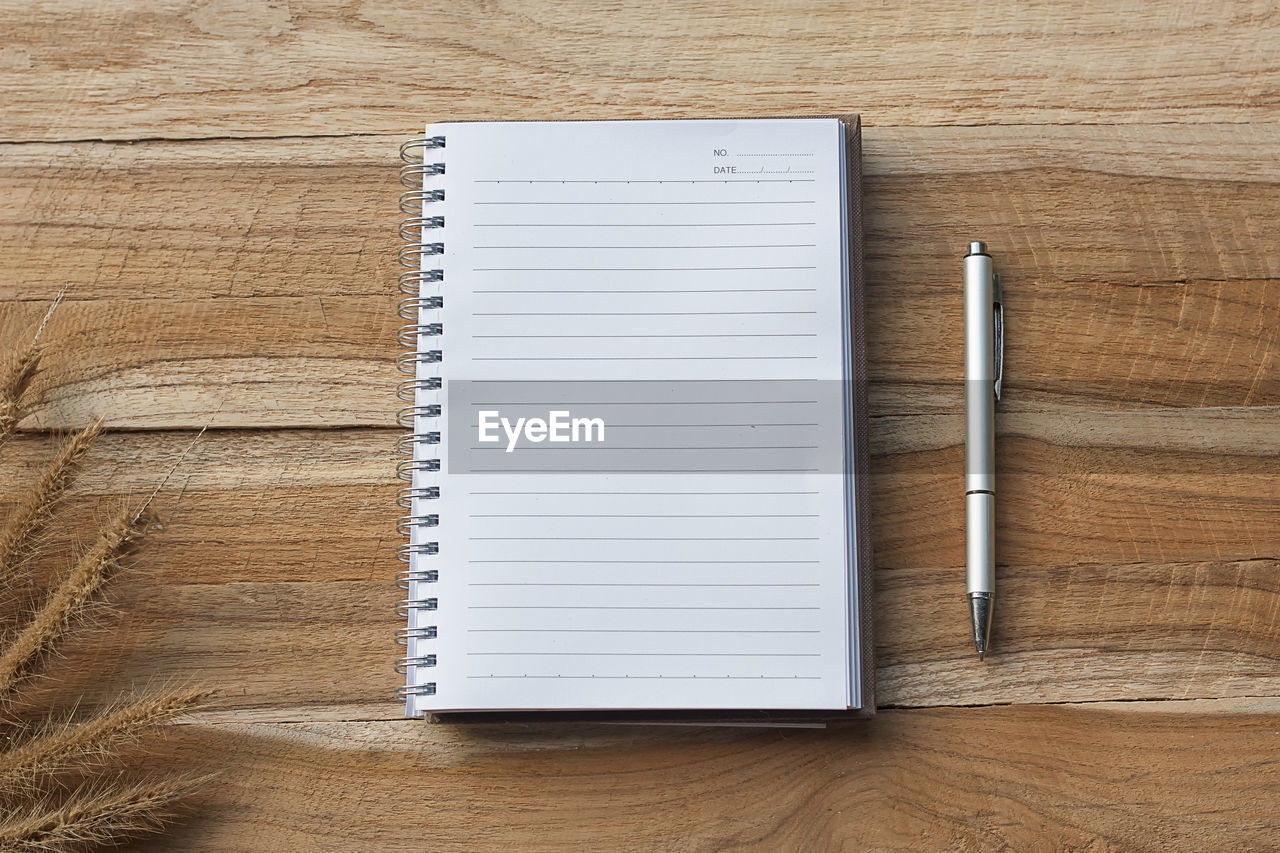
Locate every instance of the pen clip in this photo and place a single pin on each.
(998, 319)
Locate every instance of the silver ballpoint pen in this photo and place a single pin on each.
(983, 365)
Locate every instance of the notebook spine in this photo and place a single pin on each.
(419, 309)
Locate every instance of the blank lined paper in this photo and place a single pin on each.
(661, 276)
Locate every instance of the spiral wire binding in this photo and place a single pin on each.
(415, 255)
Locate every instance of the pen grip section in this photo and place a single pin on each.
(980, 517)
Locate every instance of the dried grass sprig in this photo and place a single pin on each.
(65, 746)
(68, 603)
(17, 376)
(41, 762)
(94, 816)
(13, 384)
(34, 512)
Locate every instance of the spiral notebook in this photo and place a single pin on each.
(636, 457)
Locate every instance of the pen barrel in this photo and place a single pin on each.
(980, 538)
(979, 374)
(980, 427)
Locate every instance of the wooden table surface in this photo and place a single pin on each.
(216, 184)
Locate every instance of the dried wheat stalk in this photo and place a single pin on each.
(31, 517)
(38, 809)
(93, 816)
(69, 745)
(17, 376)
(68, 603)
(14, 382)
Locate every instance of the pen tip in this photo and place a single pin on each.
(980, 611)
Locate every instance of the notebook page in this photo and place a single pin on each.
(681, 282)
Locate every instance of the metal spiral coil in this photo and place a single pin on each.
(415, 255)
(411, 282)
(404, 553)
(409, 334)
(408, 388)
(404, 635)
(408, 416)
(406, 469)
(406, 497)
(405, 605)
(408, 308)
(427, 689)
(406, 443)
(407, 362)
(412, 254)
(423, 520)
(412, 151)
(403, 579)
(403, 663)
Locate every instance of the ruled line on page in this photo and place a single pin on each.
(649, 358)
(650, 203)
(683, 290)
(632, 313)
(611, 337)
(637, 224)
(655, 585)
(660, 448)
(643, 538)
(682, 426)
(656, 403)
(668, 677)
(659, 493)
(662, 248)
(639, 515)
(616, 607)
(635, 269)
(745, 379)
(672, 181)
(478, 470)
(639, 630)
(650, 654)
(664, 562)
(695, 426)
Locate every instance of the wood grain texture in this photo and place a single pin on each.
(233, 68)
(1138, 573)
(215, 218)
(230, 254)
(1052, 778)
(1130, 285)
